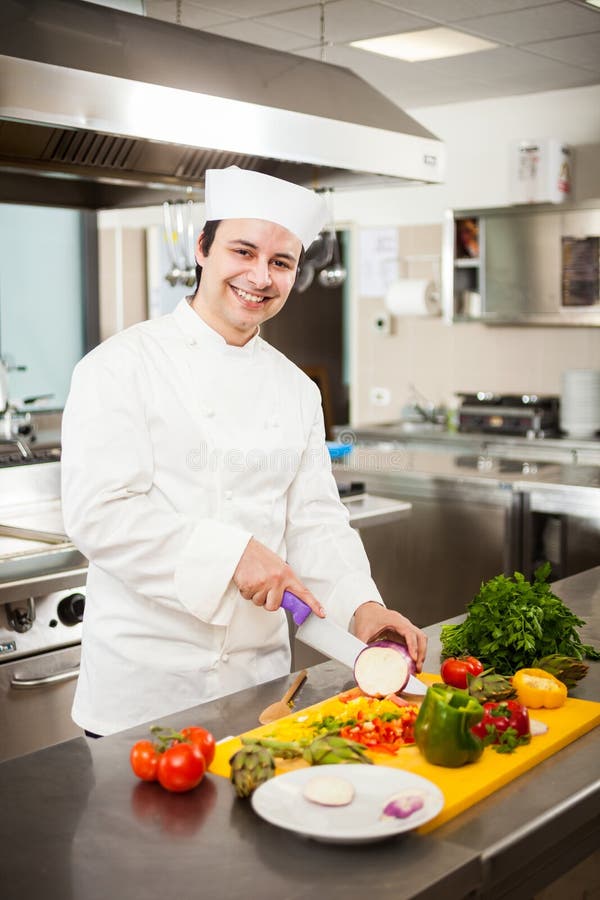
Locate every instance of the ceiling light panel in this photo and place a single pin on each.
(429, 43)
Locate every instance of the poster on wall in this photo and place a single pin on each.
(378, 260)
(580, 271)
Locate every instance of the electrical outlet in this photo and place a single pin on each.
(380, 396)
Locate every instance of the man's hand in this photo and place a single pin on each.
(261, 577)
(371, 618)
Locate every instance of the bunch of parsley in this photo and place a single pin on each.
(512, 622)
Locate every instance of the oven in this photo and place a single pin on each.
(42, 601)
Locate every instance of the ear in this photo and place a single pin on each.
(200, 257)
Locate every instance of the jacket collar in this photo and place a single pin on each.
(199, 332)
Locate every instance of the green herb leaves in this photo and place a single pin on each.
(512, 621)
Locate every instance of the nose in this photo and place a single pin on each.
(258, 272)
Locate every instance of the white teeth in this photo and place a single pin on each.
(246, 296)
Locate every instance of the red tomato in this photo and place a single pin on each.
(181, 767)
(144, 760)
(203, 739)
(454, 670)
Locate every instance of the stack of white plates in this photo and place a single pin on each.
(580, 402)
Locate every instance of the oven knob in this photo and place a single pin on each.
(70, 609)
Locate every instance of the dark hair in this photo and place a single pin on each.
(208, 236)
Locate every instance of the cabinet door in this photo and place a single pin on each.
(522, 266)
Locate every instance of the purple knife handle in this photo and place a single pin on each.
(297, 607)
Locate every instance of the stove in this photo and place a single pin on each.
(20, 453)
(525, 415)
(36, 625)
(42, 600)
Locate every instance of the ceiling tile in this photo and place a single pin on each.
(582, 51)
(558, 41)
(347, 20)
(444, 11)
(305, 20)
(384, 73)
(527, 25)
(246, 9)
(192, 15)
(253, 31)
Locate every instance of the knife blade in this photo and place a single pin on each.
(330, 639)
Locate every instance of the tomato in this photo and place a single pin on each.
(144, 760)
(181, 767)
(203, 739)
(454, 670)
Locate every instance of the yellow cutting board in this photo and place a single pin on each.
(461, 787)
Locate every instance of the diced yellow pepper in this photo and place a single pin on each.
(539, 689)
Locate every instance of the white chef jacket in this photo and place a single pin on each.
(177, 449)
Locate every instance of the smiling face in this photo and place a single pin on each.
(247, 276)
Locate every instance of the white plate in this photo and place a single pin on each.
(280, 801)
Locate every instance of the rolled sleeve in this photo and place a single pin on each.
(203, 571)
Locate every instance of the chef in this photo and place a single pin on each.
(196, 481)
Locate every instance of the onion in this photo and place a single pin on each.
(536, 727)
(329, 790)
(401, 806)
(383, 668)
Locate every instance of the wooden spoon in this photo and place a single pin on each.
(282, 707)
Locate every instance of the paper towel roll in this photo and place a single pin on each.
(412, 297)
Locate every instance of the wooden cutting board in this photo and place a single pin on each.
(469, 784)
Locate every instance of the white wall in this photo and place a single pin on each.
(477, 136)
(441, 359)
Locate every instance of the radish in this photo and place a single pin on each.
(329, 790)
(383, 668)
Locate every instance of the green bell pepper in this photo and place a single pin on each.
(443, 727)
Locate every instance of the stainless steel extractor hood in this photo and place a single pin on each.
(102, 108)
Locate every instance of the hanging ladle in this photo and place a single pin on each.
(335, 274)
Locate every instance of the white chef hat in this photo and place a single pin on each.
(235, 193)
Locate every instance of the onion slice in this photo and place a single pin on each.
(536, 727)
(329, 790)
(383, 668)
(401, 806)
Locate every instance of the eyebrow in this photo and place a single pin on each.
(281, 254)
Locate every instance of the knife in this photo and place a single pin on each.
(331, 640)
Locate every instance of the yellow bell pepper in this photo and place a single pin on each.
(536, 688)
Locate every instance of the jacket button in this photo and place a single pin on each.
(209, 412)
(225, 657)
(228, 495)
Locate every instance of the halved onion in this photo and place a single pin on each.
(383, 668)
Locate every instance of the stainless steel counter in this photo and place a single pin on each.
(367, 511)
(559, 449)
(474, 515)
(76, 824)
(383, 465)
